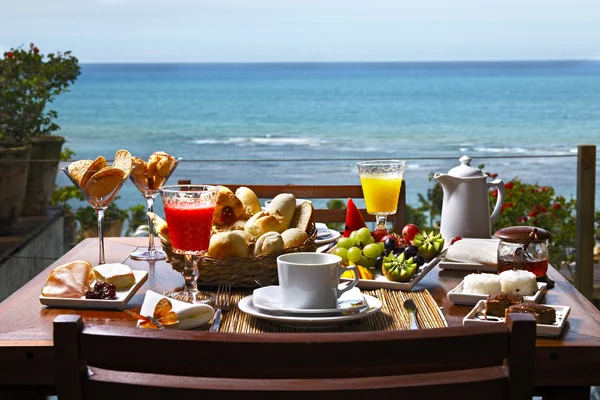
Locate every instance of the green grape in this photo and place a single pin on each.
(371, 240)
(354, 254)
(346, 243)
(372, 251)
(342, 252)
(382, 245)
(366, 262)
(363, 235)
(354, 235)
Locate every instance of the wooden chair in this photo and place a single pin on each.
(330, 192)
(494, 361)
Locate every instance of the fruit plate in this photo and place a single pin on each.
(121, 300)
(380, 281)
(477, 317)
(457, 296)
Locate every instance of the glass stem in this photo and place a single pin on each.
(190, 274)
(149, 205)
(382, 222)
(100, 213)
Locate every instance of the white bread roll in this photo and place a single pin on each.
(263, 222)
(285, 204)
(293, 237)
(303, 217)
(249, 200)
(225, 245)
(269, 243)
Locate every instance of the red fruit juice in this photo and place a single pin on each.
(189, 226)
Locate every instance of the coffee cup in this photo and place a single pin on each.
(311, 280)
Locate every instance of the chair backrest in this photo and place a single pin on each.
(494, 361)
(342, 192)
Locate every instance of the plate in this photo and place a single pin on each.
(380, 281)
(562, 312)
(457, 296)
(121, 300)
(268, 299)
(465, 266)
(333, 236)
(314, 322)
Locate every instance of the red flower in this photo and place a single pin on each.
(10, 54)
(544, 189)
(533, 213)
(522, 220)
(509, 185)
(556, 206)
(522, 190)
(543, 209)
(495, 193)
(507, 205)
(36, 50)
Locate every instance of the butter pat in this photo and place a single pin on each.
(119, 275)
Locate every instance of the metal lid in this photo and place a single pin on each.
(464, 170)
(523, 234)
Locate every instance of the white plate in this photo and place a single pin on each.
(464, 266)
(333, 236)
(457, 296)
(374, 305)
(121, 300)
(268, 299)
(562, 312)
(380, 281)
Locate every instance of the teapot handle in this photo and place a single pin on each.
(497, 183)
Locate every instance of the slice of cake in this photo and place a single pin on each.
(497, 304)
(119, 275)
(543, 314)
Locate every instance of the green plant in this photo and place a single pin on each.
(28, 82)
(136, 216)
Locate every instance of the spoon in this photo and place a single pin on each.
(411, 308)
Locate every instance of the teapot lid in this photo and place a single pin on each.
(464, 170)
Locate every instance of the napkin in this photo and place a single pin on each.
(322, 229)
(190, 315)
(483, 251)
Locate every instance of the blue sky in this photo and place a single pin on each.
(304, 30)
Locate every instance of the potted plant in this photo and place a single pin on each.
(114, 217)
(29, 81)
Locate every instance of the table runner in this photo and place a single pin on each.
(391, 317)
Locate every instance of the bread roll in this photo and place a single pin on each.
(228, 207)
(263, 222)
(269, 243)
(225, 245)
(249, 201)
(285, 204)
(303, 217)
(293, 237)
(70, 280)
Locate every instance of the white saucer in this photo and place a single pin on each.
(267, 299)
(333, 236)
(374, 305)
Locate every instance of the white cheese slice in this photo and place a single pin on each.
(119, 275)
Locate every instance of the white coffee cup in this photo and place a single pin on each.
(311, 280)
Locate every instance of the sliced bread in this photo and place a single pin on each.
(303, 217)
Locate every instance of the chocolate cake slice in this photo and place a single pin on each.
(497, 303)
(543, 314)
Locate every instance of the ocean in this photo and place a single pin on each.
(308, 123)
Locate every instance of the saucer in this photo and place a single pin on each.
(331, 237)
(267, 299)
(307, 321)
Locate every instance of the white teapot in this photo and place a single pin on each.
(466, 207)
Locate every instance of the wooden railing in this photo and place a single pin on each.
(586, 192)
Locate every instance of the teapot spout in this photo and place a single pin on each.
(444, 179)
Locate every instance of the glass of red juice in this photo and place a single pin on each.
(189, 213)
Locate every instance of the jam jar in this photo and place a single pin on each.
(523, 247)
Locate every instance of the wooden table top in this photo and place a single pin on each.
(573, 359)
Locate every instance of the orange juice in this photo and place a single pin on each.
(381, 193)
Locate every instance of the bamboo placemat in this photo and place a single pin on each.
(392, 316)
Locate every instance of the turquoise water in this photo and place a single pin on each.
(335, 114)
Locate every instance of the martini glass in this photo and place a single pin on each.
(100, 190)
(189, 213)
(381, 181)
(149, 187)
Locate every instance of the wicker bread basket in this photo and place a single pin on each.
(240, 272)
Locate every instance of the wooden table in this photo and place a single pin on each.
(565, 367)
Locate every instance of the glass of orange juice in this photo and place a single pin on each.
(381, 181)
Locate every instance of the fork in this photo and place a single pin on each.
(222, 303)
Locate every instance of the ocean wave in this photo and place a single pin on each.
(264, 141)
(501, 149)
